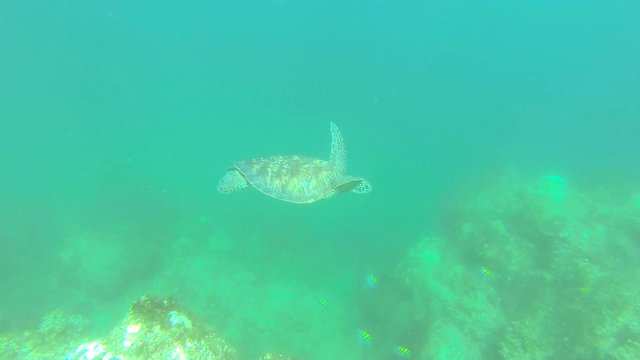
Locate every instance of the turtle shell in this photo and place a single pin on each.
(295, 179)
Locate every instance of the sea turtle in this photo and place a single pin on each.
(296, 179)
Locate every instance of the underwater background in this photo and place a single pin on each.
(501, 139)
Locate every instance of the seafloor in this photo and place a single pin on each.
(521, 268)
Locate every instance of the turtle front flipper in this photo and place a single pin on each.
(232, 181)
(338, 155)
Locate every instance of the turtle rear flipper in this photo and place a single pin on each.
(232, 181)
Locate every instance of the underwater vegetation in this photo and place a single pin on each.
(524, 269)
(520, 268)
(154, 328)
(56, 334)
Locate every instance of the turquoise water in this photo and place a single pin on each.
(117, 119)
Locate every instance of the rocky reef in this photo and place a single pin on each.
(154, 328)
(525, 269)
(520, 268)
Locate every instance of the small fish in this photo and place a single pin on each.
(585, 289)
(364, 337)
(372, 281)
(403, 352)
(486, 272)
(322, 302)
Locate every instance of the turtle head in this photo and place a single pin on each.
(354, 184)
(364, 187)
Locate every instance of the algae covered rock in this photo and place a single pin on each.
(154, 328)
(272, 356)
(56, 335)
(157, 328)
(530, 269)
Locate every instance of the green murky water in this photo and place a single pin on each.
(501, 140)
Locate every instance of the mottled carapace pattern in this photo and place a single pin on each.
(296, 179)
